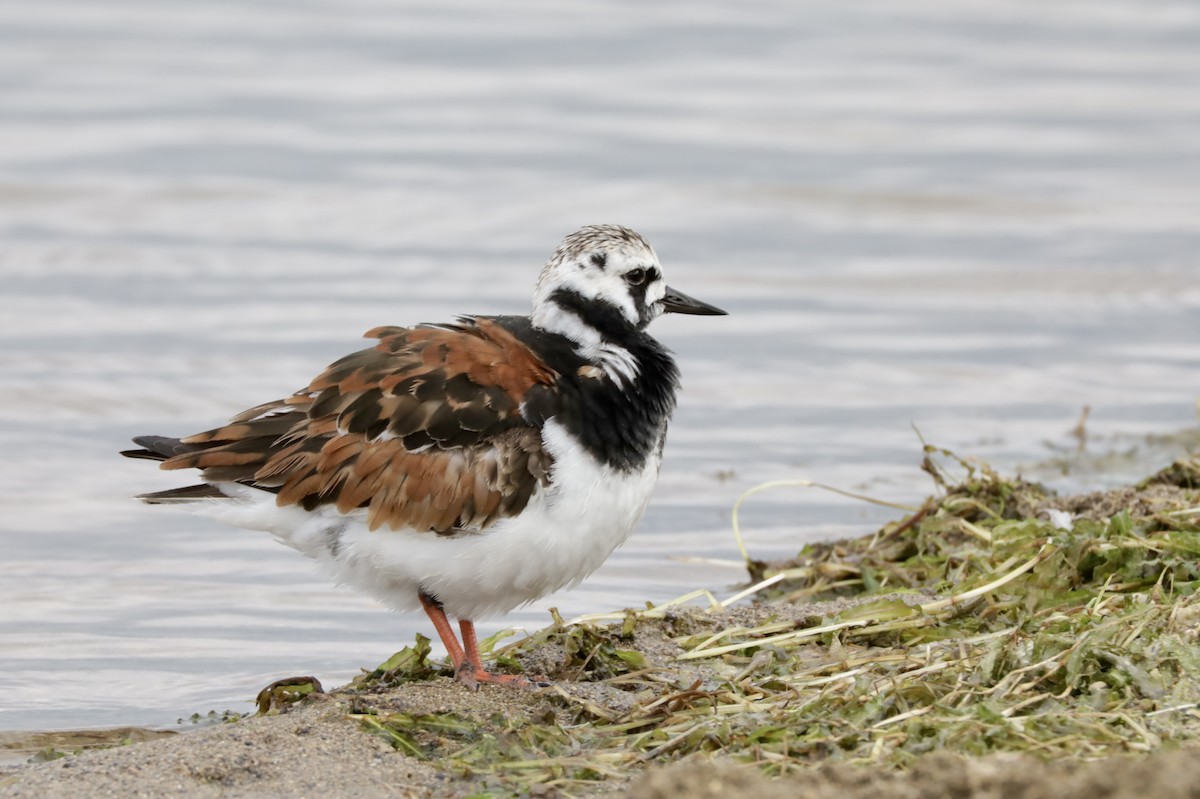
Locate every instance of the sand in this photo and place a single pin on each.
(317, 750)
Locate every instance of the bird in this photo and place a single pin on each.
(470, 467)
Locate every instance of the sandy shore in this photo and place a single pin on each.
(317, 749)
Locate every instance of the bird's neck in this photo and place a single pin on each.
(601, 333)
(618, 411)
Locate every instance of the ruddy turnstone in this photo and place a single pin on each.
(464, 468)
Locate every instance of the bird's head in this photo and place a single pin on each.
(605, 281)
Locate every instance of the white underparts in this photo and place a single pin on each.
(565, 532)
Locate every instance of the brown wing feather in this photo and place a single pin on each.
(424, 431)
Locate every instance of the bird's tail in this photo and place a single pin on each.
(159, 448)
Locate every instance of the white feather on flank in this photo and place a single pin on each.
(564, 534)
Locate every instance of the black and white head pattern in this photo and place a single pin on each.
(603, 284)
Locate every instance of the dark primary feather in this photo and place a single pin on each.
(185, 494)
(156, 448)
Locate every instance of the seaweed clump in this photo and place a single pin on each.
(995, 617)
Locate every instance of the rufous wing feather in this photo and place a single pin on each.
(423, 431)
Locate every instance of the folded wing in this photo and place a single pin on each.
(424, 431)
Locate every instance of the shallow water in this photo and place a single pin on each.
(971, 221)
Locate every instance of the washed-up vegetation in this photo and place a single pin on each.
(994, 617)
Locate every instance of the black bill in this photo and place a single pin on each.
(678, 302)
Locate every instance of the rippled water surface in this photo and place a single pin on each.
(974, 220)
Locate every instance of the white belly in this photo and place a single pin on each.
(565, 532)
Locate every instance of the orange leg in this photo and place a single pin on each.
(470, 645)
(433, 609)
(472, 669)
(468, 664)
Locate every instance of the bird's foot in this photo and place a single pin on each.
(473, 677)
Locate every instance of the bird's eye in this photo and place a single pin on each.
(635, 277)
